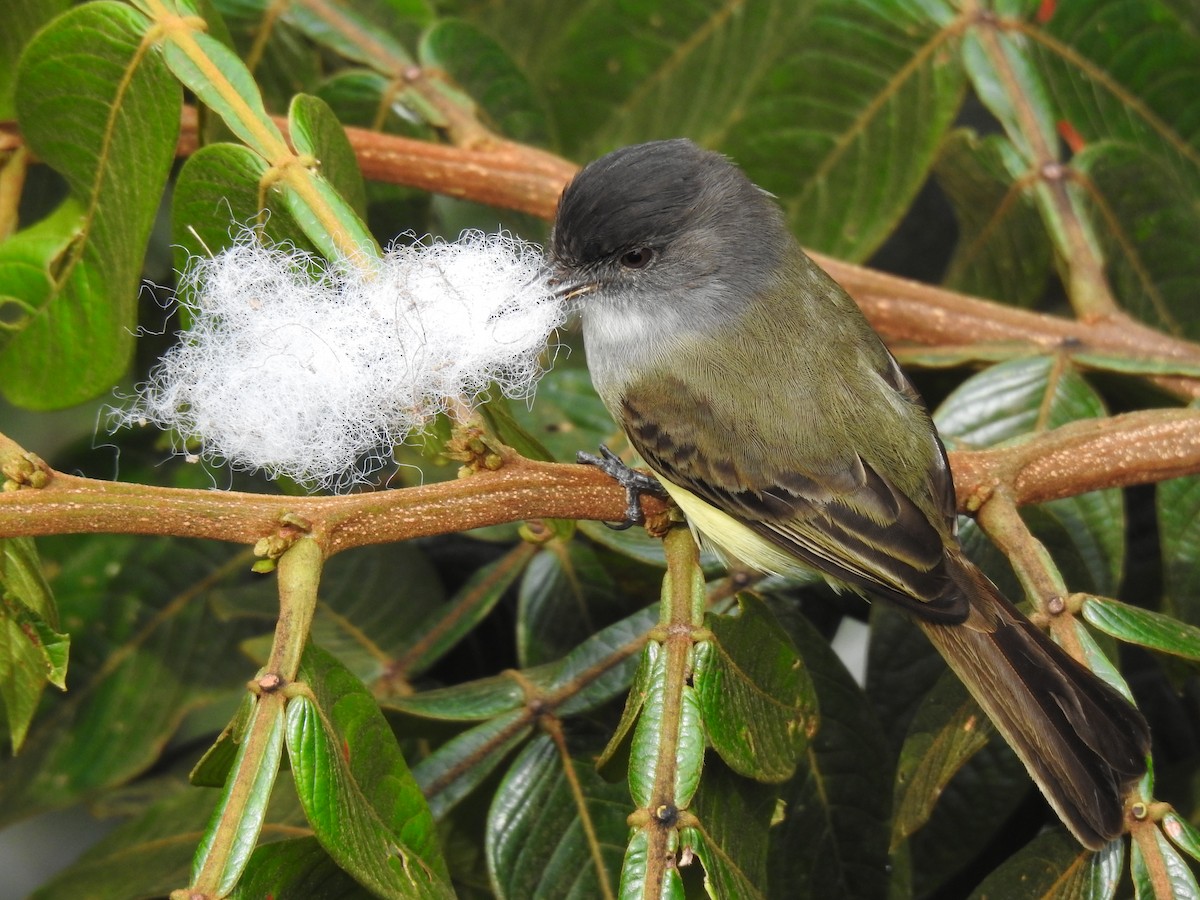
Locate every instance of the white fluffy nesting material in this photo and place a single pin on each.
(295, 368)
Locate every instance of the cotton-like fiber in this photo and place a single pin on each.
(295, 368)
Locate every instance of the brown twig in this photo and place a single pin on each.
(1089, 455)
(1135, 448)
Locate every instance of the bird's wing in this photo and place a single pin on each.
(841, 517)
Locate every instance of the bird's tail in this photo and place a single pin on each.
(1084, 745)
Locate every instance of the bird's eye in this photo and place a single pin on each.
(637, 258)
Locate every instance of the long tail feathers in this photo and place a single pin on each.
(1084, 745)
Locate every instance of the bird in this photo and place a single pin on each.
(772, 414)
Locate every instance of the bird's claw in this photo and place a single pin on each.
(635, 483)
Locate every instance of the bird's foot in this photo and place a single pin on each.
(635, 483)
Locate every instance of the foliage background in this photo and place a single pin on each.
(1044, 155)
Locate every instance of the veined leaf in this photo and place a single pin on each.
(1125, 70)
(1146, 215)
(1143, 626)
(537, 842)
(848, 100)
(1178, 503)
(357, 791)
(1054, 867)
(92, 68)
(298, 869)
(833, 839)
(757, 698)
(1181, 881)
(1002, 251)
(732, 838)
(143, 642)
(948, 730)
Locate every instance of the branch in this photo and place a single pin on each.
(1129, 449)
(1088, 455)
(514, 176)
(902, 310)
(521, 489)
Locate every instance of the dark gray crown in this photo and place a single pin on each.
(645, 196)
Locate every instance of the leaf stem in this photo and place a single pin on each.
(264, 136)
(232, 834)
(1086, 283)
(682, 614)
(1145, 833)
(299, 574)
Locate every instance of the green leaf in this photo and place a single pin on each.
(215, 765)
(469, 701)
(1178, 504)
(144, 641)
(22, 18)
(633, 884)
(833, 839)
(375, 34)
(482, 68)
(948, 730)
(601, 667)
(194, 59)
(587, 677)
(1002, 251)
(635, 700)
(1014, 399)
(244, 800)
(361, 97)
(1182, 882)
(298, 869)
(89, 68)
(32, 652)
(464, 762)
(732, 837)
(315, 130)
(1054, 867)
(537, 844)
(328, 220)
(150, 855)
(826, 84)
(902, 668)
(22, 578)
(1143, 626)
(568, 415)
(497, 414)
(287, 62)
(565, 595)
(377, 607)
(969, 817)
(1125, 71)
(217, 193)
(1012, 88)
(441, 629)
(1182, 833)
(223, 83)
(1148, 215)
(356, 36)
(358, 794)
(146, 857)
(28, 262)
(756, 697)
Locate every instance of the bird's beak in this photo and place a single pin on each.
(564, 284)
